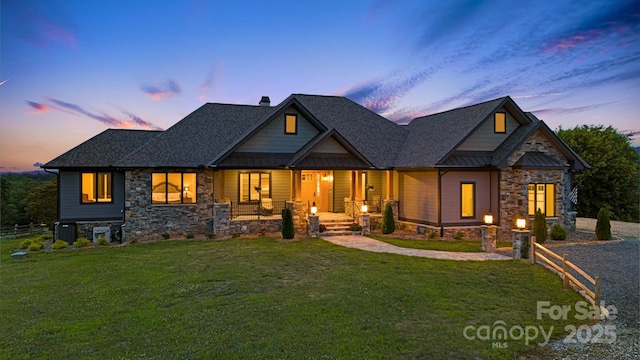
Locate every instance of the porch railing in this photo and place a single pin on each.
(257, 210)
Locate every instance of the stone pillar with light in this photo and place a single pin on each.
(519, 236)
(489, 234)
(365, 220)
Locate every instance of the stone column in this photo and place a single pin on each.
(365, 222)
(221, 219)
(314, 226)
(570, 220)
(489, 235)
(518, 238)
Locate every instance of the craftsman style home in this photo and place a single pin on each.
(233, 168)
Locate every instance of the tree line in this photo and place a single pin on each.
(28, 198)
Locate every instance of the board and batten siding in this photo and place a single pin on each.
(71, 208)
(375, 178)
(451, 202)
(280, 184)
(272, 139)
(341, 184)
(418, 198)
(485, 137)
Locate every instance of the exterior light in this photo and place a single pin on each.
(521, 223)
(488, 218)
(314, 209)
(365, 208)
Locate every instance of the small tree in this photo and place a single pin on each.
(539, 229)
(288, 231)
(603, 226)
(388, 223)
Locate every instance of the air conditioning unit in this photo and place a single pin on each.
(101, 231)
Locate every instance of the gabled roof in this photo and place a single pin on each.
(432, 138)
(196, 139)
(103, 150)
(306, 158)
(538, 160)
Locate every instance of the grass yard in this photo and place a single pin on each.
(440, 245)
(263, 299)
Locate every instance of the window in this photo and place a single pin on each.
(500, 122)
(96, 187)
(291, 124)
(468, 200)
(542, 196)
(250, 181)
(173, 188)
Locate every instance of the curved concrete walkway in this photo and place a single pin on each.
(369, 244)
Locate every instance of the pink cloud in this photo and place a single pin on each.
(161, 91)
(38, 108)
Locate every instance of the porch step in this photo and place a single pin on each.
(338, 227)
(339, 233)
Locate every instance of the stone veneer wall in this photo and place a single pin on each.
(145, 220)
(514, 185)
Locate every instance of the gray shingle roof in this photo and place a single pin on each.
(374, 136)
(103, 150)
(198, 138)
(431, 138)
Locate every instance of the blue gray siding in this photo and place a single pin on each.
(418, 196)
(72, 209)
(485, 138)
(272, 139)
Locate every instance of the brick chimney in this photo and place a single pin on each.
(265, 101)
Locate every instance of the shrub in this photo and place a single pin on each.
(603, 225)
(25, 243)
(59, 244)
(82, 242)
(323, 228)
(102, 240)
(459, 235)
(36, 246)
(355, 227)
(539, 229)
(388, 223)
(288, 231)
(431, 234)
(44, 237)
(166, 236)
(190, 235)
(558, 232)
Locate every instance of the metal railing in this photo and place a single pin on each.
(257, 210)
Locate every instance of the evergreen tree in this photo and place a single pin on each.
(388, 223)
(288, 231)
(603, 226)
(539, 228)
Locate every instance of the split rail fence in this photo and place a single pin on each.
(563, 267)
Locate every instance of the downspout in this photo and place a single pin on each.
(57, 174)
(440, 175)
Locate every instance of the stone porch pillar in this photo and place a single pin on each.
(518, 238)
(489, 236)
(314, 226)
(221, 219)
(365, 222)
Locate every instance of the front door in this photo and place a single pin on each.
(316, 186)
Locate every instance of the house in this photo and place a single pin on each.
(224, 163)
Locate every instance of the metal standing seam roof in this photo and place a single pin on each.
(538, 160)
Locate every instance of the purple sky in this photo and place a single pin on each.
(71, 68)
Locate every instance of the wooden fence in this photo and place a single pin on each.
(563, 267)
(23, 230)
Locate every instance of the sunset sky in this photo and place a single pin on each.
(70, 69)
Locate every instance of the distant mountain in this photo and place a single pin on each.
(34, 172)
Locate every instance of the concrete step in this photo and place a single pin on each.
(338, 233)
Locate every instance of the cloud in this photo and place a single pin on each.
(132, 121)
(620, 17)
(382, 95)
(446, 19)
(161, 90)
(38, 108)
(569, 110)
(212, 79)
(39, 23)
(37, 164)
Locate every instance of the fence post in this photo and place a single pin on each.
(532, 249)
(565, 270)
(15, 231)
(596, 292)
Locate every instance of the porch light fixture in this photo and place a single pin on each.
(314, 209)
(521, 223)
(364, 208)
(488, 218)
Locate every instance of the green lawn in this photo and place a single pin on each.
(262, 299)
(440, 245)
